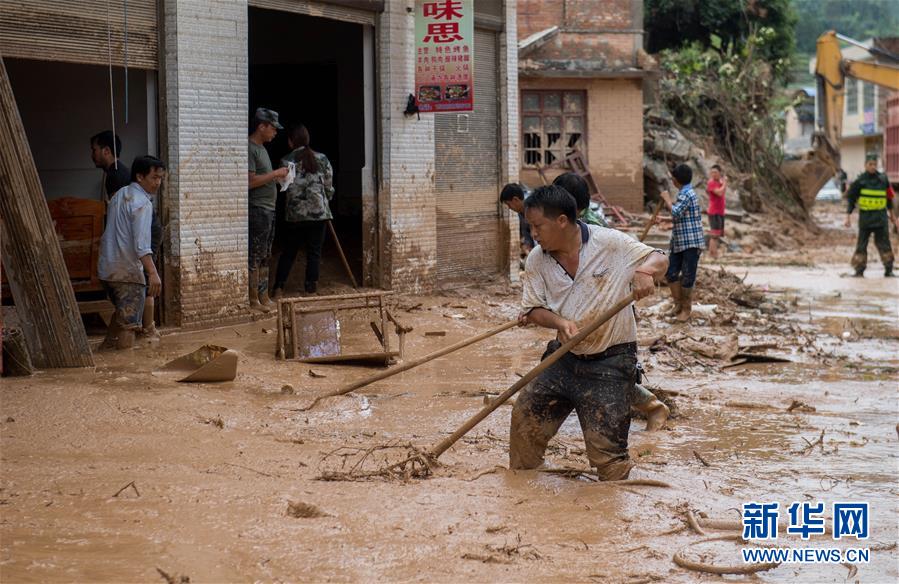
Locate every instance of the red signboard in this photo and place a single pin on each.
(444, 55)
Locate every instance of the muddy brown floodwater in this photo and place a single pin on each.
(210, 469)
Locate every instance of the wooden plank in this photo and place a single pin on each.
(376, 357)
(31, 254)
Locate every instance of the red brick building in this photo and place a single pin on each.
(580, 72)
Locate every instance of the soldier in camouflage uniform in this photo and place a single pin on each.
(306, 210)
(872, 193)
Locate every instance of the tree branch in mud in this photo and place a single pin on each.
(698, 566)
(379, 461)
(811, 445)
(132, 485)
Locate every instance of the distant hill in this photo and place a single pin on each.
(859, 19)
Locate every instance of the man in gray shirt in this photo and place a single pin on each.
(263, 192)
(126, 254)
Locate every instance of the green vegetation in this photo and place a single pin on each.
(672, 24)
(858, 19)
(732, 96)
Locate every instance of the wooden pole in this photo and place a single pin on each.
(411, 364)
(346, 264)
(504, 397)
(652, 220)
(32, 257)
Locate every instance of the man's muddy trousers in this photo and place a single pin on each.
(878, 224)
(600, 390)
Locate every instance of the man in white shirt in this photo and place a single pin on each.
(126, 253)
(574, 275)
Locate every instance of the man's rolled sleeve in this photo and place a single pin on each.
(142, 223)
(533, 286)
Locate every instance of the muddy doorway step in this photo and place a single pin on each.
(310, 70)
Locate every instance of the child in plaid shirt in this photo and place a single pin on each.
(687, 242)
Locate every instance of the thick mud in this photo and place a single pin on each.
(210, 469)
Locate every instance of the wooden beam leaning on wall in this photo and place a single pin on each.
(32, 258)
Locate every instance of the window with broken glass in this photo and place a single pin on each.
(553, 125)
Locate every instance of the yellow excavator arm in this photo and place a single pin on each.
(832, 70)
(821, 164)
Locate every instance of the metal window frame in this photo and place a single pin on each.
(584, 141)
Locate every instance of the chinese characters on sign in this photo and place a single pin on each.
(850, 519)
(444, 55)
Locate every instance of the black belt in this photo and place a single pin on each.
(610, 352)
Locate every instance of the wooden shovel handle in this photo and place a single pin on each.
(411, 364)
(652, 221)
(503, 397)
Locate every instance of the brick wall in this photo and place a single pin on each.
(614, 136)
(406, 195)
(406, 198)
(205, 76)
(594, 34)
(537, 15)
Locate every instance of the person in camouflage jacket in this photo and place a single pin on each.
(306, 210)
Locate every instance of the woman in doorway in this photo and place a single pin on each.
(306, 210)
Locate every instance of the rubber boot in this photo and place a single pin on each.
(676, 292)
(149, 332)
(264, 300)
(263, 277)
(686, 305)
(311, 287)
(253, 292)
(126, 338)
(112, 334)
(656, 413)
(859, 262)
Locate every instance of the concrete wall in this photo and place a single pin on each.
(406, 199)
(614, 136)
(510, 129)
(205, 69)
(59, 130)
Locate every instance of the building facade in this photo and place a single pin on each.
(416, 204)
(581, 70)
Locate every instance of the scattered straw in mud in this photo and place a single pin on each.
(122, 490)
(700, 458)
(590, 474)
(176, 579)
(392, 461)
(300, 510)
(505, 554)
(217, 421)
(811, 445)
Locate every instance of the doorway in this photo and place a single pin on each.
(311, 71)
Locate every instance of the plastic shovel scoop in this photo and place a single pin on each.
(206, 364)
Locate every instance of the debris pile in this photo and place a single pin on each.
(666, 145)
